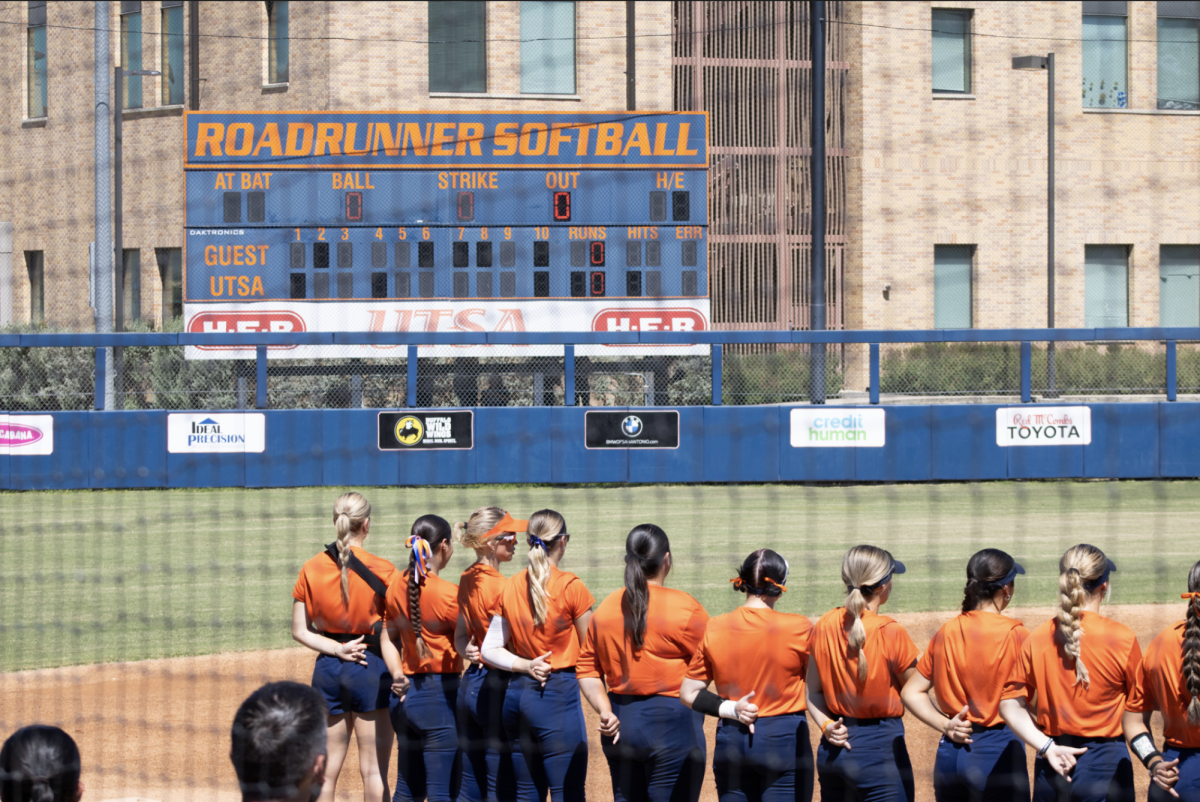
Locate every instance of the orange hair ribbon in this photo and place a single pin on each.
(782, 589)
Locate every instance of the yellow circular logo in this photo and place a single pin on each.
(409, 430)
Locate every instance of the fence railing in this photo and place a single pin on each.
(1156, 351)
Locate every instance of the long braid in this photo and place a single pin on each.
(350, 512)
(857, 636)
(414, 605)
(1080, 565)
(1191, 648)
(428, 534)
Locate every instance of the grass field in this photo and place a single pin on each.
(99, 576)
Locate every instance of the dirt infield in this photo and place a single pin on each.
(159, 729)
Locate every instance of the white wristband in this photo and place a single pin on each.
(729, 709)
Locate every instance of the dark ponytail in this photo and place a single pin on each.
(763, 573)
(39, 764)
(984, 570)
(1191, 648)
(432, 529)
(645, 549)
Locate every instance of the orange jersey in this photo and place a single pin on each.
(674, 626)
(1160, 686)
(479, 591)
(439, 617)
(1111, 653)
(569, 599)
(319, 586)
(889, 650)
(970, 659)
(756, 649)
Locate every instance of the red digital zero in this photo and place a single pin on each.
(649, 320)
(238, 322)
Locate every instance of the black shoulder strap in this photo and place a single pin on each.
(357, 566)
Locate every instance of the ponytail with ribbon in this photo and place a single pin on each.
(429, 532)
(421, 555)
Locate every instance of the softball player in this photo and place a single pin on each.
(1168, 680)
(756, 658)
(340, 603)
(654, 746)
(978, 758)
(487, 767)
(1081, 685)
(860, 661)
(543, 617)
(422, 611)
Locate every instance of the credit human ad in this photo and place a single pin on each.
(838, 428)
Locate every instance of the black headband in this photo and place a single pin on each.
(1009, 577)
(1095, 583)
(867, 590)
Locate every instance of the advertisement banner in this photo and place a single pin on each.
(855, 427)
(631, 429)
(216, 433)
(1043, 426)
(26, 435)
(452, 430)
(449, 316)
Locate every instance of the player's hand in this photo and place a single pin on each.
(1165, 775)
(539, 668)
(610, 726)
(1062, 758)
(747, 711)
(958, 729)
(400, 686)
(838, 734)
(472, 654)
(353, 652)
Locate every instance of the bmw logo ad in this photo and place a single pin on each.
(641, 429)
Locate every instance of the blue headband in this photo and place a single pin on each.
(1095, 583)
(1009, 577)
(867, 590)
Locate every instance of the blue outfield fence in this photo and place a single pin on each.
(561, 445)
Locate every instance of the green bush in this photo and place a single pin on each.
(776, 377)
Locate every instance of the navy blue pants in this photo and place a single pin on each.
(660, 754)
(875, 768)
(1188, 786)
(352, 687)
(775, 764)
(427, 739)
(992, 768)
(487, 766)
(549, 740)
(1103, 773)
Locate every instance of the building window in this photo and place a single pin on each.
(1105, 286)
(1179, 55)
(547, 47)
(277, 42)
(1179, 285)
(457, 46)
(131, 52)
(35, 266)
(131, 284)
(170, 270)
(172, 53)
(952, 286)
(951, 52)
(1104, 54)
(36, 60)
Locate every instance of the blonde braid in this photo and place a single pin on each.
(350, 512)
(862, 567)
(1079, 565)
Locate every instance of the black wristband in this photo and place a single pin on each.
(1143, 747)
(708, 703)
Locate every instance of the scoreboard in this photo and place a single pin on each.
(446, 221)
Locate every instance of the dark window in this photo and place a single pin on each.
(378, 254)
(345, 254)
(462, 285)
(424, 254)
(681, 206)
(689, 282)
(256, 207)
(345, 283)
(951, 50)
(131, 284)
(508, 285)
(578, 284)
(688, 255)
(278, 53)
(653, 253)
(425, 284)
(232, 207)
(508, 254)
(170, 273)
(541, 254)
(404, 284)
(541, 284)
(633, 253)
(457, 46)
(298, 289)
(578, 254)
(35, 266)
(658, 205)
(483, 285)
(483, 254)
(462, 254)
(35, 65)
(320, 285)
(379, 285)
(403, 255)
(131, 53)
(172, 53)
(633, 283)
(321, 254)
(654, 283)
(297, 256)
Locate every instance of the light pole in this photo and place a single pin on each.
(1046, 63)
(118, 222)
